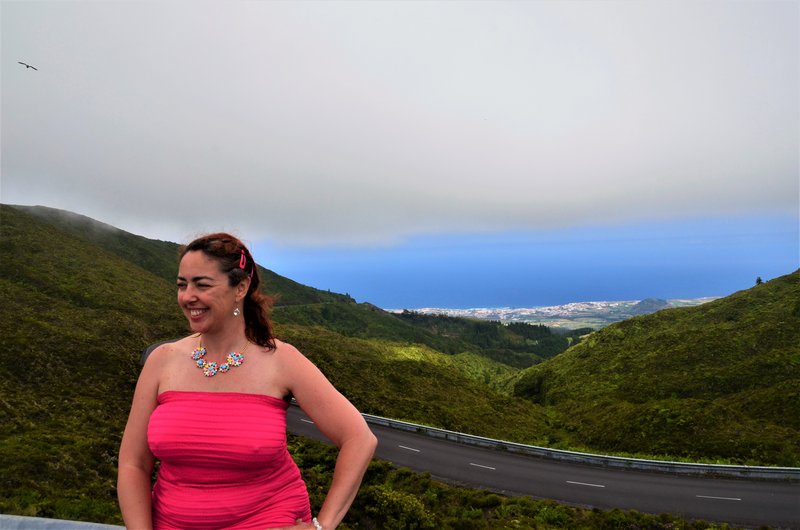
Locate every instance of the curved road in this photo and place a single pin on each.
(735, 501)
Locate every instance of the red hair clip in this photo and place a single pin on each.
(242, 260)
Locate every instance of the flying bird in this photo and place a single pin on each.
(26, 65)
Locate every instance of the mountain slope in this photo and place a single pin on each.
(724, 376)
(73, 322)
(160, 257)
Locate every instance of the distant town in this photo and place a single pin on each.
(575, 315)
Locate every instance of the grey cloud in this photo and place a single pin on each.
(362, 123)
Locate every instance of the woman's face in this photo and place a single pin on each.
(204, 295)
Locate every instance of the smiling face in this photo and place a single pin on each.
(205, 294)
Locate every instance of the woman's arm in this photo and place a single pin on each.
(135, 459)
(337, 419)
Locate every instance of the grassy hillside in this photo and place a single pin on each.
(721, 380)
(160, 257)
(516, 343)
(415, 383)
(74, 319)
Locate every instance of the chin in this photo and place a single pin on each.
(198, 327)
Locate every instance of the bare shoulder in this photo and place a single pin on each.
(286, 350)
(168, 351)
(331, 411)
(162, 365)
(293, 367)
(290, 358)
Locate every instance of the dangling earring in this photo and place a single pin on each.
(236, 312)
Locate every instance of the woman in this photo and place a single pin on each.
(211, 408)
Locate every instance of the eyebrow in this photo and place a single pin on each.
(196, 278)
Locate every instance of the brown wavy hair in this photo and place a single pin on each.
(231, 254)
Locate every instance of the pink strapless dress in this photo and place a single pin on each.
(224, 463)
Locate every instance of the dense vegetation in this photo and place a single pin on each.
(74, 317)
(515, 344)
(724, 376)
(81, 301)
(160, 257)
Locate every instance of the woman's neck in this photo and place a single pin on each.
(219, 344)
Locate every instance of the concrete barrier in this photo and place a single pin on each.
(16, 522)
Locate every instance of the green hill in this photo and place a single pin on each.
(160, 257)
(74, 318)
(721, 380)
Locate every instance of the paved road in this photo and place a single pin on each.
(735, 501)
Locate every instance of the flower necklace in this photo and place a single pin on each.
(210, 369)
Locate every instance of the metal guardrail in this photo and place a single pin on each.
(682, 468)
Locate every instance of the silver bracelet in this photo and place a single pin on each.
(316, 524)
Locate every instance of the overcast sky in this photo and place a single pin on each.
(318, 130)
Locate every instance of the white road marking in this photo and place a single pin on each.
(585, 484)
(484, 467)
(409, 448)
(718, 498)
(307, 421)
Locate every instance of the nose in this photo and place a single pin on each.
(187, 294)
